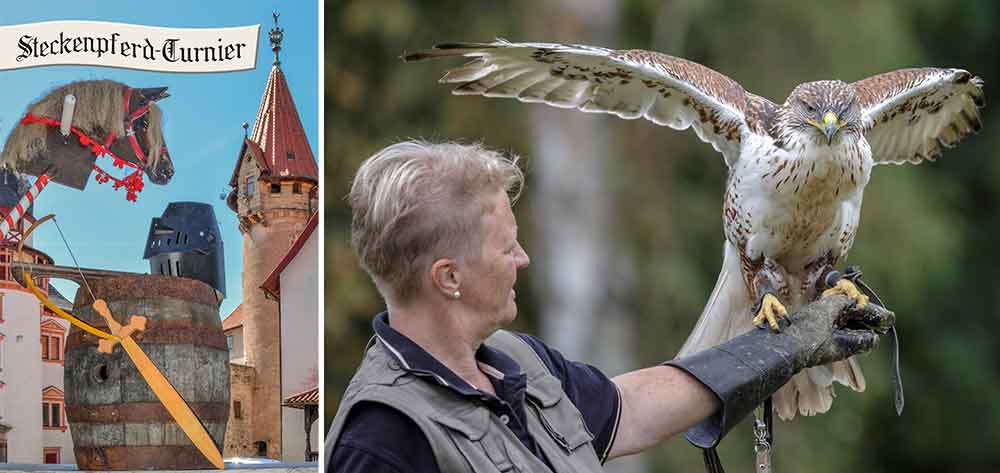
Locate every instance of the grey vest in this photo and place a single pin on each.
(465, 435)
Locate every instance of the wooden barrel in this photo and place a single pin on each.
(116, 421)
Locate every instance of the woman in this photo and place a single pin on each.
(444, 388)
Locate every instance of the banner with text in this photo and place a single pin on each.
(148, 48)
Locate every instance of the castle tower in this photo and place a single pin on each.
(274, 192)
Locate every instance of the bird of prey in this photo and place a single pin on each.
(796, 170)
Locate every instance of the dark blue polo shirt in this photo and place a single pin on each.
(378, 438)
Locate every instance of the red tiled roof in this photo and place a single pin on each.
(234, 319)
(272, 285)
(256, 152)
(305, 398)
(278, 133)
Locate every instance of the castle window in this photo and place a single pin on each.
(51, 347)
(291, 156)
(297, 188)
(250, 186)
(275, 187)
(52, 341)
(229, 342)
(52, 415)
(237, 410)
(52, 409)
(52, 455)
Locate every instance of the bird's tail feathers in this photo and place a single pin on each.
(811, 392)
(848, 373)
(723, 317)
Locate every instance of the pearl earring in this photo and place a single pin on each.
(456, 295)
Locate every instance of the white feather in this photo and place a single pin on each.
(720, 320)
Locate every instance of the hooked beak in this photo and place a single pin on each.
(830, 126)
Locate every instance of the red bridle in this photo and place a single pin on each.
(130, 120)
(133, 181)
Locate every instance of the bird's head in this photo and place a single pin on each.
(822, 111)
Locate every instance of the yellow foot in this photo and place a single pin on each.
(770, 311)
(848, 289)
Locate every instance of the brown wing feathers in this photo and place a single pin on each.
(631, 84)
(913, 114)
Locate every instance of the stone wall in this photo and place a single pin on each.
(239, 442)
(248, 202)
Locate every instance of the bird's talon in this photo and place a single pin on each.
(847, 288)
(770, 311)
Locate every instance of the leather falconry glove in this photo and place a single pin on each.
(744, 371)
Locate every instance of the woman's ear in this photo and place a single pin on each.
(446, 277)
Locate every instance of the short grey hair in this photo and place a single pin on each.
(415, 202)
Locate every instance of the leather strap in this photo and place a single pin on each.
(713, 464)
(853, 273)
(130, 120)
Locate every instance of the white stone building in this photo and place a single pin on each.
(32, 342)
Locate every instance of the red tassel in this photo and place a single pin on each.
(132, 183)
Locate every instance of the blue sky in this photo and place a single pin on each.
(203, 130)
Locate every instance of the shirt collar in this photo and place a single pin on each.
(414, 359)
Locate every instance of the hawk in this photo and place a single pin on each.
(796, 170)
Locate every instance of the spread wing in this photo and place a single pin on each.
(911, 114)
(631, 84)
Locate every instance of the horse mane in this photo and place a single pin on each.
(98, 108)
(154, 134)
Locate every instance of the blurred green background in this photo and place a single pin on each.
(622, 219)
